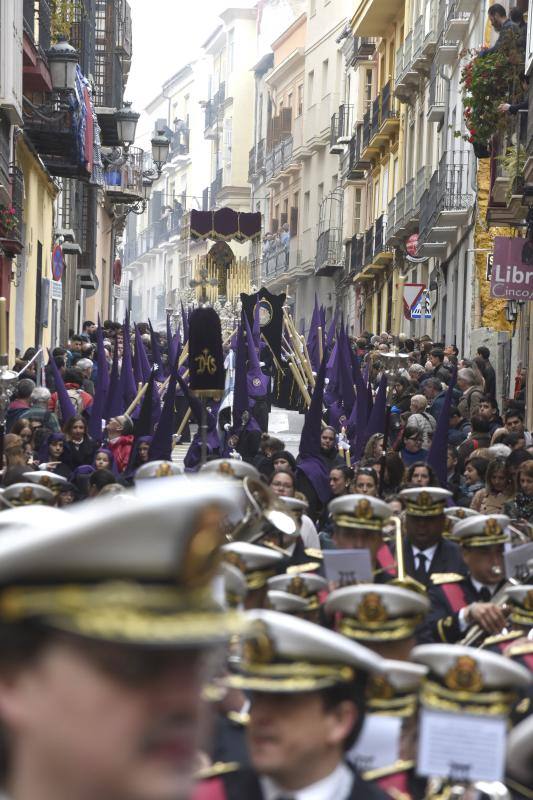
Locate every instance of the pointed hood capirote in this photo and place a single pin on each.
(65, 403)
(438, 451)
(257, 381)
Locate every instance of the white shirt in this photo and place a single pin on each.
(337, 786)
(429, 553)
(308, 533)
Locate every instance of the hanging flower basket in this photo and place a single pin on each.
(487, 81)
(8, 222)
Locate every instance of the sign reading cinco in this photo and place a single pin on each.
(510, 278)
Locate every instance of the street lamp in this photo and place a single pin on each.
(160, 147)
(126, 120)
(147, 188)
(62, 62)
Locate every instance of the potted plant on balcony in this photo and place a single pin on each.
(488, 79)
(8, 222)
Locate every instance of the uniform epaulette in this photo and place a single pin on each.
(520, 649)
(216, 769)
(314, 552)
(502, 637)
(296, 569)
(438, 578)
(238, 718)
(390, 769)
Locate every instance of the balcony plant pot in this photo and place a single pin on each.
(481, 150)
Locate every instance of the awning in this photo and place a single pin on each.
(225, 224)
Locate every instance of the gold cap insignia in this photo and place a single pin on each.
(226, 469)
(297, 586)
(379, 688)
(163, 470)
(26, 496)
(464, 676)
(528, 601)
(45, 481)
(202, 552)
(424, 500)
(259, 649)
(256, 382)
(363, 509)
(371, 609)
(492, 528)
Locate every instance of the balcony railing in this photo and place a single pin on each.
(366, 129)
(422, 178)
(447, 201)
(457, 23)
(213, 106)
(341, 128)
(179, 143)
(409, 199)
(380, 234)
(357, 253)
(37, 22)
(391, 219)
(124, 182)
(508, 160)
(278, 158)
(369, 245)
(400, 208)
(436, 107)
(275, 261)
(329, 252)
(356, 48)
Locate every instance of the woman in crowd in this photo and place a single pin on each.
(498, 489)
(420, 474)
(366, 481)
(79, 447)
(283, 460)
(283, 483)
(51, 455)
(411, 448)
(473, 479)
(521, 508)
(103, 459)
(374, 448)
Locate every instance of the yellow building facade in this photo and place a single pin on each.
(29, 316)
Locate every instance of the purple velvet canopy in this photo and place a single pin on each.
(225, 224)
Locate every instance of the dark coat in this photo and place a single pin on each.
(77, 456)
(447, 558)
(442, 623)
(244, 785)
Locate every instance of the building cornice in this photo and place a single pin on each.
(288, 66)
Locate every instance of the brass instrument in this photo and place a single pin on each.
(264, 511)
(475, 634)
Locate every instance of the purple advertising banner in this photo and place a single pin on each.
(510, 278)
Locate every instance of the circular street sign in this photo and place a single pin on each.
(411, 244)
(58, 263)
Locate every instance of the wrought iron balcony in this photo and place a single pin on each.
(329, 256)
(436, 105)
(37, 19)
(369, 246)
(353, 167)
(380, 123)
(357, 252)
(382, 254)
(406, 77)
(124, 182)
(447, 203)
(457, 23)
(507, 204)
(341, 129)
(275, 261)
(213, 107)
(179, 143)
(278, 159)
(357, 48)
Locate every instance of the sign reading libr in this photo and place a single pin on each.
(510, 278)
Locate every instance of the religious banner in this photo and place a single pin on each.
(206, 359)
(270, 316)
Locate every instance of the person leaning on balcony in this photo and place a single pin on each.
(514, 108)
(509, 34)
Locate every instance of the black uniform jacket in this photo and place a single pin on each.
(243, 784)
(447, 558)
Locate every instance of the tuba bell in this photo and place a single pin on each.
(264, 512)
